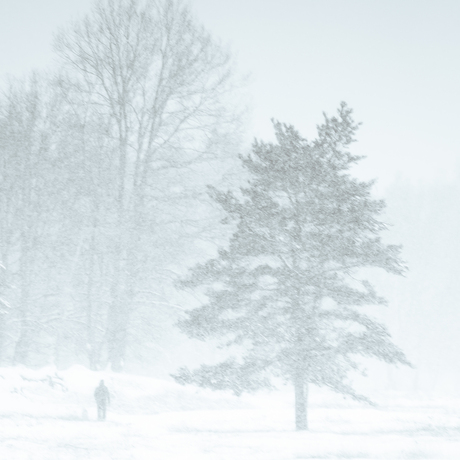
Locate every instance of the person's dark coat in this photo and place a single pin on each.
(102, 397)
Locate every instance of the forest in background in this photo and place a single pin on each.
(103, 204)
(104, 166)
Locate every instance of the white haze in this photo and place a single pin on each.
(397, 65)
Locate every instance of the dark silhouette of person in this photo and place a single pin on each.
(102, 397)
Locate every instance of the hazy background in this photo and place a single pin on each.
(397, 65)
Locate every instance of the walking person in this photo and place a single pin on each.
(102, 397)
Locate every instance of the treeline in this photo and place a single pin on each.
(103, 171)
(424, 316)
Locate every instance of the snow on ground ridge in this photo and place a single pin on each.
(42, 417)
(73, 389)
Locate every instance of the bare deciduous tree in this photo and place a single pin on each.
(162, 86)
(30, 194)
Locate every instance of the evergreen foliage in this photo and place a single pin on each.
(287, 290)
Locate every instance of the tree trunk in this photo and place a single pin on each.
(301, 400)
(117, 334)
(118, 312)
(90, 339)
(24, 342)
(117, 324)
(95, 356)
(2, 335)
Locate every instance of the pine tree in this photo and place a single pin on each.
(285, 291)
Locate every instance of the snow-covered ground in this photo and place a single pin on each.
(48, 415)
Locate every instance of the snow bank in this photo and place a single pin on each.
(70, 393)
(48, 414)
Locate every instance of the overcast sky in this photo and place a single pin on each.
(395, 62)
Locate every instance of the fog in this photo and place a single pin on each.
(109, 143)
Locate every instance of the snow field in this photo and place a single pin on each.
(52, 416)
